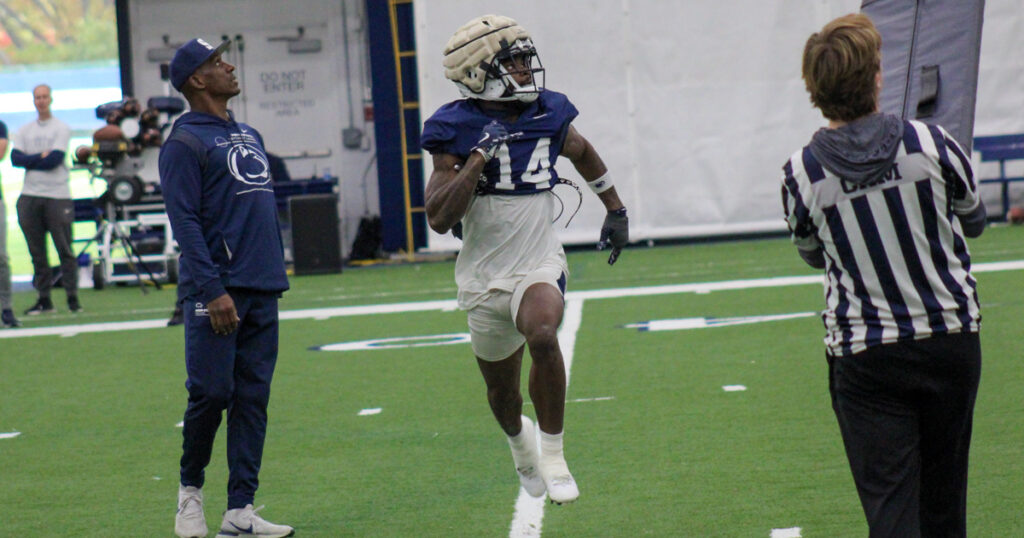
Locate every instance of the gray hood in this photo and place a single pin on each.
(861, 150)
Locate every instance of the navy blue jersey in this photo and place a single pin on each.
(524, 165)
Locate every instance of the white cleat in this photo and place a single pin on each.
(560, 484)
(245, 522)
(527, 461)
(190, 522)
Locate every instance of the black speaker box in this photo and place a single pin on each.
(316, 240)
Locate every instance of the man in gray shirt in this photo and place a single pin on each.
(45, 202)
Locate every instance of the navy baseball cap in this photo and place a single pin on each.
(189, 57)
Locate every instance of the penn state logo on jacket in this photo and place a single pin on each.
(246, 162)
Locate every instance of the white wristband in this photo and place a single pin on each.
(601, 184)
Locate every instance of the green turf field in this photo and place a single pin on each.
(656, 444)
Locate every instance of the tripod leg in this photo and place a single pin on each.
(130, 249)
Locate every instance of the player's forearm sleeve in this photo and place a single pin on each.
(24, 160)
(52, 160)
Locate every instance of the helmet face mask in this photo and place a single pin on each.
(520, 57)
(487, 54)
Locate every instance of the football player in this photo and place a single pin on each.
(493, 154)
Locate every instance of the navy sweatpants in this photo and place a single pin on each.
(230, 372)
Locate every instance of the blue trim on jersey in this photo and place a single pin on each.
(562, 282)
(910, 141)
(815, 172)
(940, 146)
(926, 200)
(957, 186)
(842, 306)
(965, 163)
(954, 188)
(849, 261)
(905, 235)
(800, 211)
(960, 251)
(883, 269)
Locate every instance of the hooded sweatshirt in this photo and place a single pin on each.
(861, 151)
(222, 209)
(882, 204)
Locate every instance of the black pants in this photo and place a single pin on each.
(37, 216)
(905, 412)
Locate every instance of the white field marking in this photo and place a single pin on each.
(86, 328)
(680, 324)
(9, 435)
(598, 399)
(450, 305)
(398, 342)
(529, 512)
(792, 532)
(583, 400)
(734, 388)
(180, 424)
(370, 411)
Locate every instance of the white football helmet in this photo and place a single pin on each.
(474, 56)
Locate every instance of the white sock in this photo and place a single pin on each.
(551, 445)
(518, 441)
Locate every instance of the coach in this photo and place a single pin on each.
(215, 178)
(883, 205)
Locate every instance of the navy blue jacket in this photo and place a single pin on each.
(223, 212)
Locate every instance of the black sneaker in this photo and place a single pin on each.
(42, 306)
(8, 319)
(73, 305)
(177, 318)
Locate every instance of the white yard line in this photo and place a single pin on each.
(449, 305)
(529, 512)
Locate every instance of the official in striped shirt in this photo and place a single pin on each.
(883, 205)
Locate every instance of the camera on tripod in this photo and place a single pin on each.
(117, 149)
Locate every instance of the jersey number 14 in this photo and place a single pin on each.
(538, 170)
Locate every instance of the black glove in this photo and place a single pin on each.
(614, 233)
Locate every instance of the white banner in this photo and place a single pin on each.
(693, 105)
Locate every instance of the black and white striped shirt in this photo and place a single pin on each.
(896, 263)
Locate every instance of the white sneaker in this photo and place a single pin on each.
(559, 481)
(245, 522)
(190, 521)
(526, 461)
